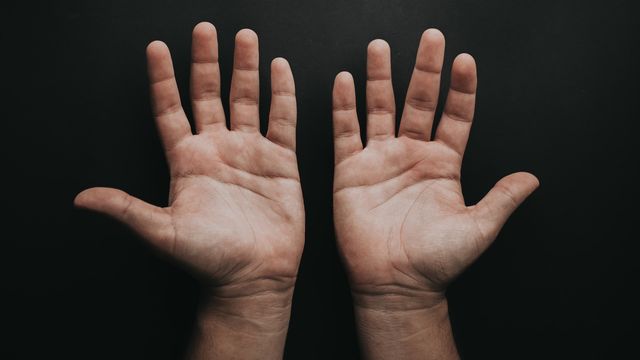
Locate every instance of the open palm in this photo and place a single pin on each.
(402, 224)
(235, 209)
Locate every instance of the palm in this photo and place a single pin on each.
(409, 211)
(236, 201)
(400, 216)
(235, 209)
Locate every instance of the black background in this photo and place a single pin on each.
(558, 93)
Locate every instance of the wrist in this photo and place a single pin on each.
(398, 298)
(405, 332)
(258, 306)
(244, 321)
(403, 322)
(396, 322)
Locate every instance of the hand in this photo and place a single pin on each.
(235, 212)
(403, 229)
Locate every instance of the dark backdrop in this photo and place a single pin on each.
(558, 92)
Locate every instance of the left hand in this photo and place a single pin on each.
(403, 228)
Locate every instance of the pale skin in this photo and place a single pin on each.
(404, 231)
(236, 218)
(235, 214)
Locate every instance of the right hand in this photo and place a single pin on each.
(235, 213)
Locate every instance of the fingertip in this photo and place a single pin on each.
(465, 63)
(531, 179)
(280, 60)
(80, 200)
(522, 180)
(433, 35)
(343, 87)
(343, 77)
(204, 44)
(281, 76)
(204, 30)
(158, 60)
(204, 27)
(281, 73)
(378, 47)
(86, 198)
(246, 37)
(246, 54)
(430, 54)
(97, 195)
(280, 63)
(156, 48)
(464, 76)
(343, 91)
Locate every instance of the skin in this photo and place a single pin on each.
(235, 214)
(404, 231)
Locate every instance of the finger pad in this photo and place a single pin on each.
(464, 77)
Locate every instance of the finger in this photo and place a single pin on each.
(422, 95)
(381, 106)
(455, 124)
(500, 202)
(346, 130)
(245, 83)
(150, 222)
(170, 118)
(282, 116)
(205, 79)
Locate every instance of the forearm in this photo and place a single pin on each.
(252, 327)
(389, 330)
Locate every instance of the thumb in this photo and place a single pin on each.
(151, 222)
(500, 202)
